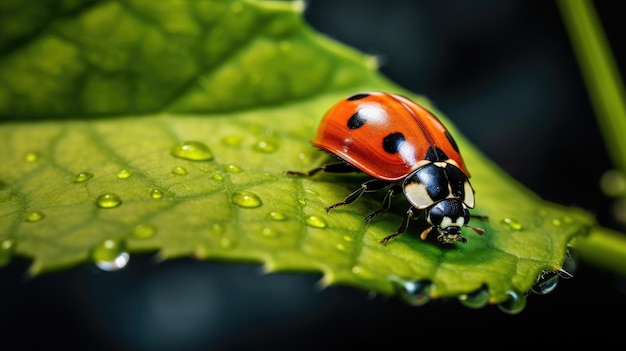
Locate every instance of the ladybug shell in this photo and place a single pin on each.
(386, 135)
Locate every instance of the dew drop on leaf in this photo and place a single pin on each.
(514, 304)
(35, 216)
(415, 293)
(546, 283)
(110, 255)
(266, 146)
(218, 176)
(512, 223)
(315, 222)
(217, 228)
(556, 222)
(178, 170)
(82, 177)
(476, 299)
(144, 231)
(269, 232)
(7, 246)
(227, 243)
(277, 216)
(341, 247)
(193, 151)
(246, 199)
(156, 194)
(31, 157)
(124, 174)
(108, 200)
(233, 169)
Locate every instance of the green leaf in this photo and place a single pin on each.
(143, 126)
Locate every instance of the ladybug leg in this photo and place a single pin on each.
(480, 217)
(401, 228)
(329, 168)
(386, 204)
(370, 185)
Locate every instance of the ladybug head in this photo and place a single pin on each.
(448, 217)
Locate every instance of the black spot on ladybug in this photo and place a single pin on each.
(392, 142)
(358, 96)
(452, 142)
(356, 121)
(435, 154)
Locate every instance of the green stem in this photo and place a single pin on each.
(600, 73)
(603, 248)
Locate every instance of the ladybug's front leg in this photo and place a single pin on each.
(401, 228)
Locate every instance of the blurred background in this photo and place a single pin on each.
(504, 72)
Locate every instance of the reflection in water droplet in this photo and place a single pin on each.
(515, 303)
(108, 200)
(124, 174)
(315, 222)
(192, 150)
(232, 140)
(277, 216)
(269, 232)
(568, 268)
(246, 199)
(110, 255)
(546, 283)
(512, 223)
(415, 293)
(144, 231)
(266, 146)
(35, 216)
(476, 299)
(156, 194)
(233, 169)
(82, 177)
(178, 170)
(31, 157)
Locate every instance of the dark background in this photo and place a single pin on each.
(503, 71)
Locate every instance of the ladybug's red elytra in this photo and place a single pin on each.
(403, 147)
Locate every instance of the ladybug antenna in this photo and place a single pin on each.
(479, 231)
(425, 233)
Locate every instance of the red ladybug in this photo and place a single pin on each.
(406, 148)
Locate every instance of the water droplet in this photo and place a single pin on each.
(108, 200)
(301, 202)
(226, 243)
(415, 293)
(556, 222)
(348, 238)
(217, 176)
(124, 174)
(341, 247)
(514, 304)
(178, 170)
(156, 194)
(546, 283)
(217, 228)
(35, 216)
(363, 272)
(568, 268)
(315, 222)
(269, 232)
(476, 299)
(110, 255)
(233, 169)
(31, 157)
(512, 223)
(82, 177)
(277, 216)
(193, 151)
(246, 199)
(7, 247)
(266, 146)
(144, 231)
(232, 140)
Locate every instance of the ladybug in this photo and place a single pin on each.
(404, 148)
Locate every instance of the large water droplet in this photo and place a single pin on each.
(546, 283)
(192, 150)
(246, 199)
(178, 170)
(476, 299)
(512, 223)
(110, 255)
(415, 293)
(514, 304)
(156, 194)
(144, 231)
(31, 157)
(315, 222)
(108, 200)
(34, 216)
(82, 177)
(277, 216)
(124, 174)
